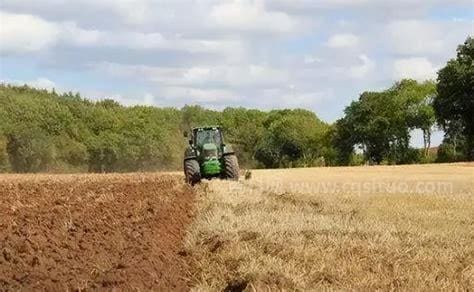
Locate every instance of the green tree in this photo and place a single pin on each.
(380, 123)
(70, 154)
(454, 103)
(4, 163)
(103, 152)
(371, 122)
(243, 129)
(293, 138)
(342, 139)
(193, 116)
(30, 150)
(417, 98)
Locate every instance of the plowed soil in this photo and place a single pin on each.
(93, 231)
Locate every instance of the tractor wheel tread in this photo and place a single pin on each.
(192, 171)
(231, 167)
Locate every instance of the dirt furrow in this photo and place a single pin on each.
(93, 231)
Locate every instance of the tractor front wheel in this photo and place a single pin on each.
(231, 167)
(192, 171)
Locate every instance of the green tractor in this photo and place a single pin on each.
(208, 157)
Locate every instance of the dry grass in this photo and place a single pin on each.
(408, 227)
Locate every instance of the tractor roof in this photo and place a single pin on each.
(206, 128)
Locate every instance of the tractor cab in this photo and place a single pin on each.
(208, 140)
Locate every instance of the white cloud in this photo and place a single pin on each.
(198, 95)
(42, 83)
(415, 37)
(308, 59)
(148, 99)
(20, 33)
(39, 83)
(246, 15)
(25, 33)
(72, 34)
(302, 99)
(133, 11)
(235, 76)
(346, 40)
(417, 68)
(425, 37)
(360, 71)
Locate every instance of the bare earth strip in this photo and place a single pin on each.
(68, 232)
(402, 227)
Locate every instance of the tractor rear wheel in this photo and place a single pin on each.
(231, 167)
(192, 171)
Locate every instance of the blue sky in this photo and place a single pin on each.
(264, 54)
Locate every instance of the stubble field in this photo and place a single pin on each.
(399, 227)
(359, 228)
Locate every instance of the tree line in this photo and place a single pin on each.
(379, 123)
(43, 131)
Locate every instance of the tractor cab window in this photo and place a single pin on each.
(208, 137)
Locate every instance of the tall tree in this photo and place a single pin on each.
(377, 123)
(454, 103)
(4, 163)
(343, 141)
(380, 123)
(417, 99)
(243, 128)
(292, 138)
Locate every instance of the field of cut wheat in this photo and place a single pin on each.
(387, 227)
